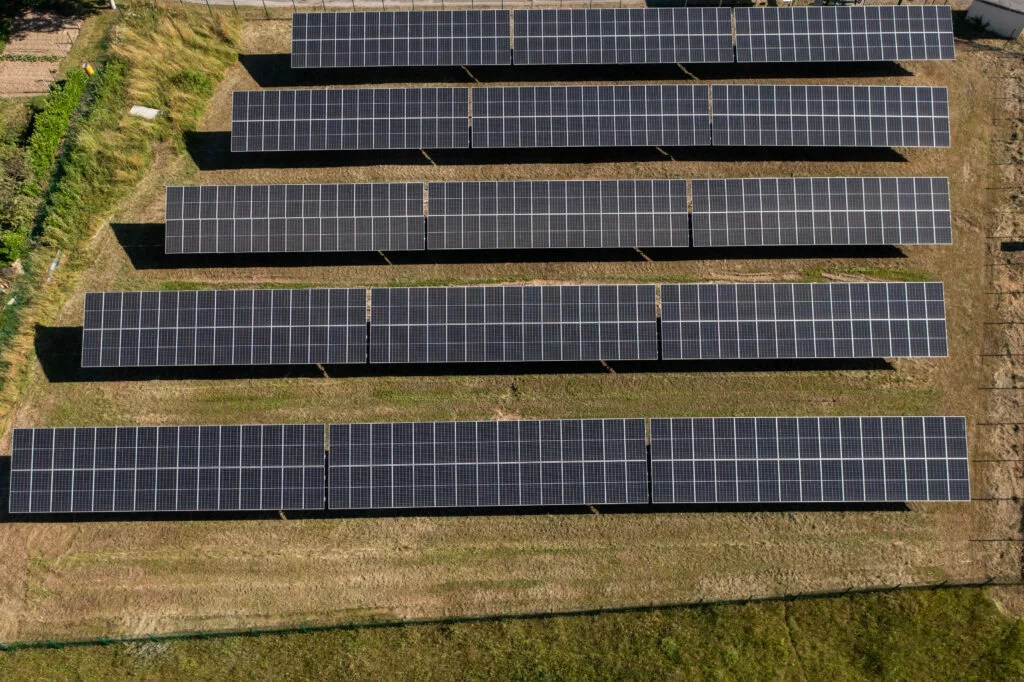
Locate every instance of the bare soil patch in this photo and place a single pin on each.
(43, 33)
(36, 34)
(26, 78)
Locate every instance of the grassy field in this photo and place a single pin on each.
(90, 577)
(951, 634)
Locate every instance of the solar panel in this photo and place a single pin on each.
(225, 327)
(549, 214)
(809, 459)
(513, 324)
(830, 116)
(348, 119)
(488, 463)
(843, 34)
(821, 211)
(833, 320)
(623, 36)
(591, 116)
(366, 39)
(167, 468)
(293, 218)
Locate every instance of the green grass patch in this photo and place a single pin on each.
(890, 274)
(945, 634)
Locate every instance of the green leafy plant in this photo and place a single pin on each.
(51, 124)
(30, 58)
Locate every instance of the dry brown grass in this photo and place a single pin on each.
(90, 577)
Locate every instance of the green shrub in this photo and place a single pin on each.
(193, 82)
(19, 201)
(52, 123)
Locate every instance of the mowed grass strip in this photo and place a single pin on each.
(948, 634)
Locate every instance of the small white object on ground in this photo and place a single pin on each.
(144, 112)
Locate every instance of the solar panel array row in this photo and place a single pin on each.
(623, 36)
(349, 119)
(284, 218)
(590, 116)
(549, 214)
(167, 468)
(227, 327)
(832, 320)
(808, 459)
(557, 214)
(339, 39)
(489, 463)
(676, 35)
(492, 463)
(514, 324)
(817, 211)
(830, 116)
(844, 34)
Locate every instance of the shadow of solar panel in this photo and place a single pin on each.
(513, 324)
(294, 218)
(623, 36)
(225, 327)
(346, 119)
(167, 468)
(821, 211)
(487, 464)
(844, 34)
(370, 39)
(591, 116)
(809, 459)
(830, 116)
(550, 214)
(833, 320)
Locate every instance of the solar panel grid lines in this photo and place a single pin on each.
(416, 38)
(827, 320)
(821, 211)
(544, 214)
(224, 327)
(487, 463)
(591, 116)
(830, 116)
(842, 34)
(513, 324)
(622, 36)
(294, 218)
(167, 469)
(809, 459)
(349, 119)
